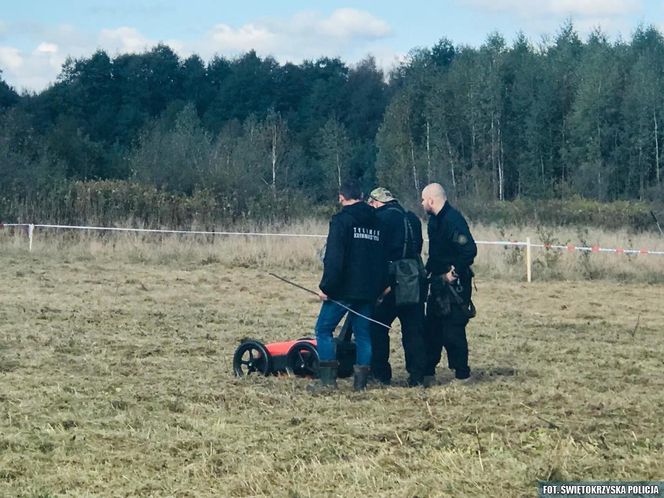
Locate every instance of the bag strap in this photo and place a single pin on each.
(407, 229)
(405, 239)
(408, 233)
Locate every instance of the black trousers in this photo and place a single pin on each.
(449, 333)
(411, 318)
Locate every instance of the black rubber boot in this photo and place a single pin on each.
(360, 378)
(327, 377)
(327, 372)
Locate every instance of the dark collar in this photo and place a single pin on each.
(390, 205)
(445, 209)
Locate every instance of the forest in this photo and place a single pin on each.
(134, 135)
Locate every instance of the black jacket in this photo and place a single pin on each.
(354, 267)
(450, 242)
(392, 229)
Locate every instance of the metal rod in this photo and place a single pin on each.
(329, 299)
(293, 284)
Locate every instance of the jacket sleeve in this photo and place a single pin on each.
(465, 246)
(333, 262)
(416, 225)
(429, 265)
(391, 228)
(440, 260)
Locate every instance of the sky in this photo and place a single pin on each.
(37, 36)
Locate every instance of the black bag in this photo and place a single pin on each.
(408, 273)
(443, 295)
(468, 309)
(407, 282)
(440, 303)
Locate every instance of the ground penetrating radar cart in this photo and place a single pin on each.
(295, 357)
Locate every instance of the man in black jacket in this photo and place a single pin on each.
(355, 274)
(401, 231)
(452, 251)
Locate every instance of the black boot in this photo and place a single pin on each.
(462, 373)
(415, 381)
(383, 374)
(360, 378)
(327, 377)
(429, 380)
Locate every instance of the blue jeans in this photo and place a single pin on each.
(328, 319)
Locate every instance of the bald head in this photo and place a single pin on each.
(433, 198)
(434, 190)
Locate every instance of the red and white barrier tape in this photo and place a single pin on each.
(598, 249)
(568, 247)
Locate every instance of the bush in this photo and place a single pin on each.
(115, 202)
(118, 202)
(577, 211)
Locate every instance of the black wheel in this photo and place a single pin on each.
(302, 359)
(251, 357)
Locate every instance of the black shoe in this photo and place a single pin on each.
(429, 380)
(381, 375)
(379, 380)
(414, 382)
(361, 377)
(462, 373)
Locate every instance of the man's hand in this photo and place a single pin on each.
(322, 296)
(451, 276)
(387, 290)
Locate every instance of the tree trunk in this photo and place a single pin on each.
(416, 181)
(428, 153)
(640, 168)
(338, 166)
(599, 163)
(494, 170)
(654, 117)
(274, 160)
(452, 170)
(563, 156)
(473, 156)
(501, 166)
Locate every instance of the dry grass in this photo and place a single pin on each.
(115, 367)
(504, 262)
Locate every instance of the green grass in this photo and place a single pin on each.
(116, 381)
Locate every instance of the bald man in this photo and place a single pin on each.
(452, 251)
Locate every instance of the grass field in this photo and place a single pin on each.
(115, 380)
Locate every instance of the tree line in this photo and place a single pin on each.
(562, 118)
